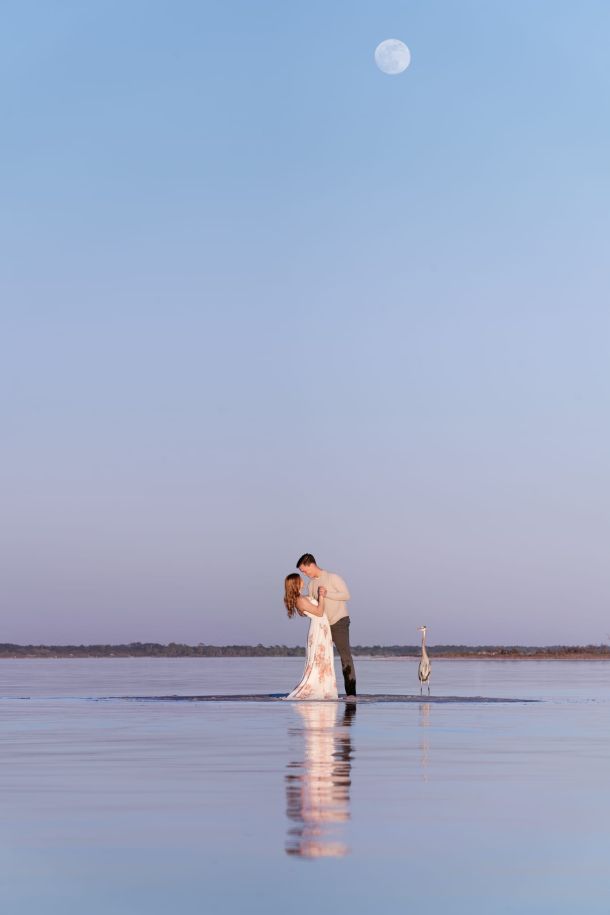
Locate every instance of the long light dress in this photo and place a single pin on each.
(319, 675)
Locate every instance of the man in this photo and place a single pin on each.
(336, 613)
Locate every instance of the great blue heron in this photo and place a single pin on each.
(424, 669)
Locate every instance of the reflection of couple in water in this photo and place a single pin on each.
(318, 782)
(326, 607)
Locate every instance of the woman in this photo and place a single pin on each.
(319, 676)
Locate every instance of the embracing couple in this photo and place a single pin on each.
(326, 607)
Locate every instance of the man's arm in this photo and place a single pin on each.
(337, 589)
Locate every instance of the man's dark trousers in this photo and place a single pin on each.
(340, 634)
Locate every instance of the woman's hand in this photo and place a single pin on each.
(321, 591)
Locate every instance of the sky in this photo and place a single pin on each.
(258, 298)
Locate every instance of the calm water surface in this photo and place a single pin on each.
(117, 806)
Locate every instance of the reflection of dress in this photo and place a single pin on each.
(319, 676)
(318, 782)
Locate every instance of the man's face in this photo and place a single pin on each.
(308, 570)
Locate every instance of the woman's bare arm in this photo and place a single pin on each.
(304, 605)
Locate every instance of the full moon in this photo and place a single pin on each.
(392, 56)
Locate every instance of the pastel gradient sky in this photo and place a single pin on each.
(258, 299)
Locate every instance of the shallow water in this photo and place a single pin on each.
(141, 806)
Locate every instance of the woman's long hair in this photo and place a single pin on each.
(292, 590)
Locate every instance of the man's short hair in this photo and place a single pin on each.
(306, 560)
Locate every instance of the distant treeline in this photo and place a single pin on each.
(178, 650)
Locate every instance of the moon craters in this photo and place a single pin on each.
(392, 56)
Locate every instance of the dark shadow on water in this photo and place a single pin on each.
(319, 779)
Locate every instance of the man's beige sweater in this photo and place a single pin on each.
(335, 605)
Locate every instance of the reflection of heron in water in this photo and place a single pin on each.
(317, 787)
(425, 667)
(424, 744)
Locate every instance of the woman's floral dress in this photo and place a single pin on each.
(319, 675)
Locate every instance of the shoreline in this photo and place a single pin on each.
(37, 653)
